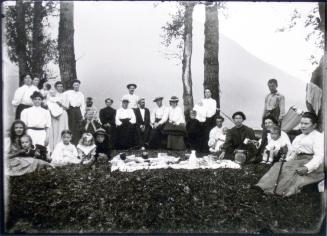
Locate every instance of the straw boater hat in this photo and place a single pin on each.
(173, 99)
(129, 85)
(37, 94)
(157, 99)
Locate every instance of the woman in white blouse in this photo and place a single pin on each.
(125, 120)
(210, 106)
(76, 107)
(304, 163)
(37, 120)
(175, 127)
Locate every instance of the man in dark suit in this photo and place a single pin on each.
(107, 117)
(143, 126)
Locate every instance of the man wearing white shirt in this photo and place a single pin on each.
(125, 120)
(156, 136)
(76, 108)
(216, 133)
(22, 97)
(131, 97)
(143, 126)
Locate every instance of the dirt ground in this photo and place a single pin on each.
(85, 199)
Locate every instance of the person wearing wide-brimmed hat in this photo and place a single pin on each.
(156, 136)
(239, 141)
(76, 110)
(37, 120)
(175, 126)
(125, 120)
(131, 96)
(22, 97)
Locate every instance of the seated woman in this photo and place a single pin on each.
(304, 163)
(21, 164)
(89, 124)
(175, 126)
(125, 120)
(239, 141)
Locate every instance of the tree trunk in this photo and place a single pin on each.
(187, 55)
(67, 62)
(21, 41)
(211, 48)
(37, 60)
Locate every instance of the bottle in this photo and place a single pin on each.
(192, 159)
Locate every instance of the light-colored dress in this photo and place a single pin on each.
(86, 153)
(64, 154)
(59, 118)
(37, 119)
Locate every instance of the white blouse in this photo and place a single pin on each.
(23, 95)
(158, 113)
(36, 117)
(201, 113)
(215, 134)
(76, 99)
(133, 100)
(282, 141)
(54, 108)
(210, 105)
(64, 154)
(312, 143)
(125, 114)
(175, 115)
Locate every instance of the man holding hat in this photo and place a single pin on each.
(143, 126)
(125, 120)
(131, 97)
(157, 114)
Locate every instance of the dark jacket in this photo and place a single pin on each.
(107, 115)
(91, 128)
(139, 120)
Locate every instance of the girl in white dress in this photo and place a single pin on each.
(86, 149)
(37, 120)
(65, 152)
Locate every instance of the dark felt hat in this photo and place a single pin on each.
(173, 99)
(37, 94)
(239, 113)
(129, 85)
(100, 131)
(157, 99)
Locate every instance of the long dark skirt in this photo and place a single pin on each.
(142, 137)
(289, 181)
(125, 136)
(176, 134)
(74, 120)
(207, 127)
(19, 110)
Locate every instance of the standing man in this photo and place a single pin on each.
(22, 97)
(143, 126)
(274, 102)
(107, 118)
(156, 135)
(76, 107)
(131, 97)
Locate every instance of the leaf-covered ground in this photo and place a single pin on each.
(86, 199)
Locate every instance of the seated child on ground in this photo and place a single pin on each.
(86, 149)
(102, 144)
(275, 146)
(65, 152)
(29, 150)
(216, 143)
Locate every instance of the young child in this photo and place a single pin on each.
(86, 149)
(65, 152)
(30, 150)
(194, 131)
(274, 147)
(215, 144)
(102, 144)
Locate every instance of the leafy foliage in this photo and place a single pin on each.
(85, 199)
(47, 45)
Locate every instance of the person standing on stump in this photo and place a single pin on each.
(131, 97)
(156, 136)
(143, 126)
(239, 141)
(125, 120)
(76, 108)
(22, 97)
(274, 102)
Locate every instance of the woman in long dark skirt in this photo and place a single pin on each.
(76, 109)
(304, 163)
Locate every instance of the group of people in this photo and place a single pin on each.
(72, 130)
